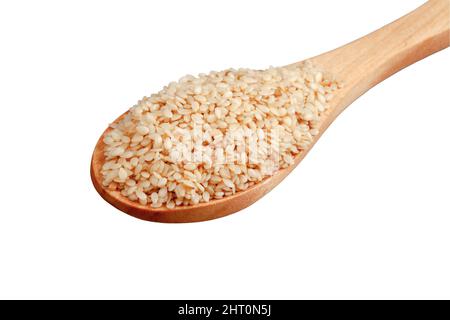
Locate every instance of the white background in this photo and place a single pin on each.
(365, 215)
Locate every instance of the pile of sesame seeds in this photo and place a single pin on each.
(211, 136)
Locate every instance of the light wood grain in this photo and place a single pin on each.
(360, 64)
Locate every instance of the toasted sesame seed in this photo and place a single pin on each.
(170, 204)
(154, 197)
(122, 174)
(142, 130)
(141, 195)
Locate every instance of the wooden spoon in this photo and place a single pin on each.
(360, 64)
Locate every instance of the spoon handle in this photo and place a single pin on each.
(369, 60)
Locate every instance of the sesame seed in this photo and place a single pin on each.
(208, 137)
